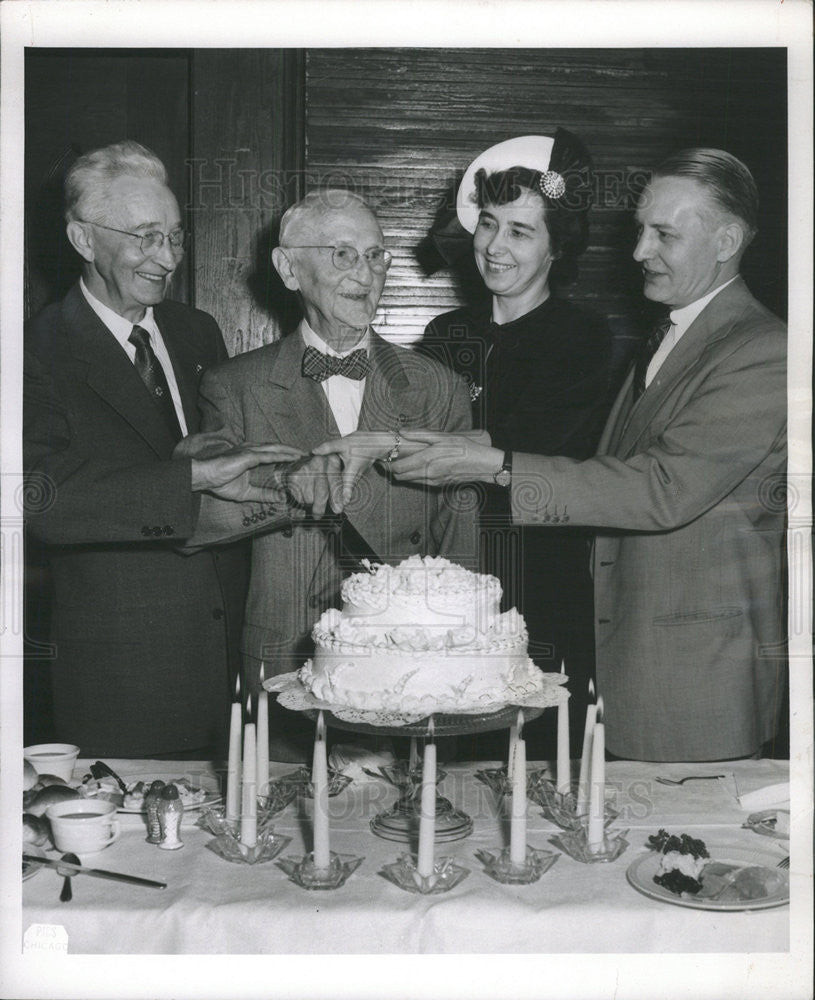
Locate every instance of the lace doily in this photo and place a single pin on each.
(292, 694)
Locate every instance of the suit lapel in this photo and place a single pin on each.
(111, 374)
(710, 325)
(295, 407)
(187, 363)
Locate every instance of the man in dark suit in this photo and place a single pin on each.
(334, 374)
(686, 489)
(145, 637)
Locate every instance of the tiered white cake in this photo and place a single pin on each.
(424, 636)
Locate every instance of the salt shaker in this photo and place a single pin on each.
(151, 801)
(170, 811)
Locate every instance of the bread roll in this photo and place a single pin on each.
(36, 830)
(50, 796)
(30, 776)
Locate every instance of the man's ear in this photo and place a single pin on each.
(283, 266)
(80, 239)
(731, 240)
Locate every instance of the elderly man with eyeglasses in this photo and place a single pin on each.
(329, 377)
(144, 637)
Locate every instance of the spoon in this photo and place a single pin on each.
(66, 894)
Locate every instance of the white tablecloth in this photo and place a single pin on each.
(212, 906)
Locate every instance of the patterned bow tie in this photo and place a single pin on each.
(319, 366)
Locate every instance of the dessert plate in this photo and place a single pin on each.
(641, 873)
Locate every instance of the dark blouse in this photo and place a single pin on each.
(539, 384)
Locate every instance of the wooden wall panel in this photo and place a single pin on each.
(400, 126)
(75, 101)
(246, 167)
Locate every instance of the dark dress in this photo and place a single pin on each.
(539, 384)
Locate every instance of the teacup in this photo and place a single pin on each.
(52, 758)
(83, 826)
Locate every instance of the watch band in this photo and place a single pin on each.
(503, 477)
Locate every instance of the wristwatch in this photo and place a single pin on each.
(503, 477)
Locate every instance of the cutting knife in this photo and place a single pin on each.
(64, 866)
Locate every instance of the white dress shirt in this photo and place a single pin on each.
(681, 319)
(344, 395)
(121, 329)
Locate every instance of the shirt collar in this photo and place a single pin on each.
(313, 339)
(120, 327)
(682, 318)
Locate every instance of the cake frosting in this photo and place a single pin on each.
(424, 636)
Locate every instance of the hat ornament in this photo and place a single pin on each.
(552, 184)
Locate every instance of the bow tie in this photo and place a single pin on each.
(319, 367)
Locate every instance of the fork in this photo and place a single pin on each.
(692, 777)
(783, 863)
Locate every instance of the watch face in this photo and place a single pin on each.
(503, 477)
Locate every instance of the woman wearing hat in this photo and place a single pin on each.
(538, 368)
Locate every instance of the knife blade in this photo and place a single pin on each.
(94, 872)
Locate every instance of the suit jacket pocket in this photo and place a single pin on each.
(700, 616)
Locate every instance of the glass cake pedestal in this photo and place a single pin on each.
(401, 821)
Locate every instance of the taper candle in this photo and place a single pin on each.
(585, 758)
(249, 803)
(233, 764)
(517, 830)
(263, 736)
(512, 749)
(597, 796)
(564, 763)
(319, 780)
(427, 819)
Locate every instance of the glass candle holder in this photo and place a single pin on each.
(445, 876)
(575, 844)
(228, 846)
(499, 866)
(303, 872)
(560, 808)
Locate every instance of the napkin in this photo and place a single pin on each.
(767, 797)
(355, 760)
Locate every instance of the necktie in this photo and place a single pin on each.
(152, 374)
(319, 367)
(646, 353)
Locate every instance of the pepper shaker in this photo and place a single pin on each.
(170, 811)
(151, 801)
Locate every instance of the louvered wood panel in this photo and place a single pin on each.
(400, 126)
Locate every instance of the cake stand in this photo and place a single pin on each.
(401, 821)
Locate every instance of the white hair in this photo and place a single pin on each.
(89, 179)
(314, 206)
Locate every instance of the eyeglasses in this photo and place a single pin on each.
(149, 241)
(344, 258)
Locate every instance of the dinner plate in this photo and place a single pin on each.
(31, 867)
(641, 873)
(207, 782)
(764, 823)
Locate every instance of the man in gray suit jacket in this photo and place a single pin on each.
(334, 374)
(689, 558)
(142, 634)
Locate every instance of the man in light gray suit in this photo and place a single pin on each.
(329, 377)
(689, 558)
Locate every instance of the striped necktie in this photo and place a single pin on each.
(152, 374)
(646, 353)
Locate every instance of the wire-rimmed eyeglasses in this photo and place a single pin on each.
(344, 257)
(153, 240)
